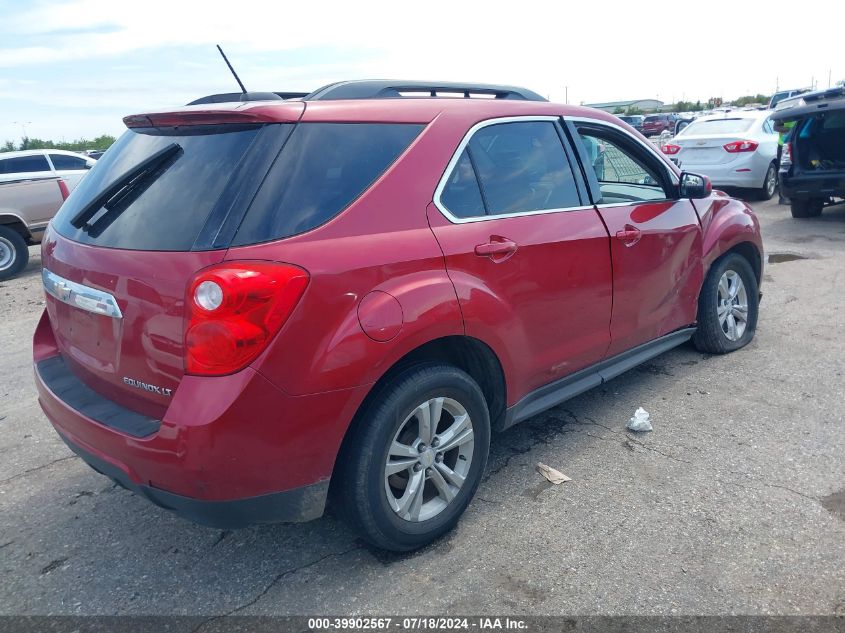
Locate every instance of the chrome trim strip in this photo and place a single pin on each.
(79, 296)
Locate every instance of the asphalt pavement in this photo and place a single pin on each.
(733, 504)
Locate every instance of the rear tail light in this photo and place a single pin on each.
(234, 310)
(786, 155)
(671, 149)
(63, 189)
(741, 146)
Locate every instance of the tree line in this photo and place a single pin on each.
(102, 142)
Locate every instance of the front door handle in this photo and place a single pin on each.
(498, 248)
(630, 235)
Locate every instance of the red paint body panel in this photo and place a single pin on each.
(545, 311)
(147, 343)
(656, 276)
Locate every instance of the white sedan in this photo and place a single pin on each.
(45, 163)
(734, 149)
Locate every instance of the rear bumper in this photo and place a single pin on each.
(228, 451)
(812, 185)
(727, 175)
(299, 504)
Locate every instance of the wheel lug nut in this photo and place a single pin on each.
(435, 442)
(428, 471)
(417, 467)
(421, 448)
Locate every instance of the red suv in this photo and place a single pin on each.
(256, 306)
(655, 124)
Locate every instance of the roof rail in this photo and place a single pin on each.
(228, 97)
(391, 89)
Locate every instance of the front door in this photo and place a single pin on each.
(527, 253)
(655, 238)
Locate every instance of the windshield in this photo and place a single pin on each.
(717, 126)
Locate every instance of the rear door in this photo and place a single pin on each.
(655, 239)
(526, 251)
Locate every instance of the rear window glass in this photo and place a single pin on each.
(717, 126)
(166, 210)
(651, 119)
(24, 164)
(321, 170)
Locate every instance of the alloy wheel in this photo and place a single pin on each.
(7, 254)
(429, 459)
(732, 305)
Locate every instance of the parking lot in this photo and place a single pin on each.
(735, 503)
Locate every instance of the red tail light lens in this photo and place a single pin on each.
(63, 189)
(741, 146)
(671, 149)
(234, 310)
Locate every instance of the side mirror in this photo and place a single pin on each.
(695, 186)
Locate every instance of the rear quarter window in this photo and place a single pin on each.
(320, 171)
(24, 164)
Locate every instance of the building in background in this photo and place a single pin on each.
(644, 105)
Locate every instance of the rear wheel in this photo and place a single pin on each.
(415, 459)
(770, 183)
(806, 207)
(727, 306)
(14, 253)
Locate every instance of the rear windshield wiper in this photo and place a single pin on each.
(122, 185)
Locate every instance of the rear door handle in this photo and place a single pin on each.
(630, 235)
(497, 249)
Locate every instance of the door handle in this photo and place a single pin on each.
(497, 249)
(630, 235)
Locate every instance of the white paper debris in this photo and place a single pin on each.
(641, 420)
(554, 476)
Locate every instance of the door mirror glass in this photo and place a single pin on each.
(695, 186)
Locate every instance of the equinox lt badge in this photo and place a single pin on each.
(162, 391)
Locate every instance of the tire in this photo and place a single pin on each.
(361, 482)
(14, 253)
(715, 333)
(806, 207)
(770, 183)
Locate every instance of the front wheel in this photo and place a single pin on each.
(415, 458)
(727, 306)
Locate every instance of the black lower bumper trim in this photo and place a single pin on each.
(291, 506)
(78, 396)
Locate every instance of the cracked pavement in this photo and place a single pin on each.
(734, 504)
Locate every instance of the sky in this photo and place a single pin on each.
(74, 68)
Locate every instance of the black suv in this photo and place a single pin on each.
(812, 166)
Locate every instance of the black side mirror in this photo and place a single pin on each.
(694, 186)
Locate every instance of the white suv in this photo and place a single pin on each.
(40, 163)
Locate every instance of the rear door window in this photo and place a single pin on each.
(24, 164)
(520, 167)
(167, 210)
(320, 171)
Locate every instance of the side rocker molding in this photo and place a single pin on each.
(561, 390)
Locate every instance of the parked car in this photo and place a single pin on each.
(737, 149)
(342, 296)
(655, 124)
(634, 120)
(26, 206)
(812, 167)
(36, 163)
(785, 94)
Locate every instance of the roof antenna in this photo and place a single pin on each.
(226, 59)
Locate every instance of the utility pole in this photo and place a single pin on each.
(567, 95)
